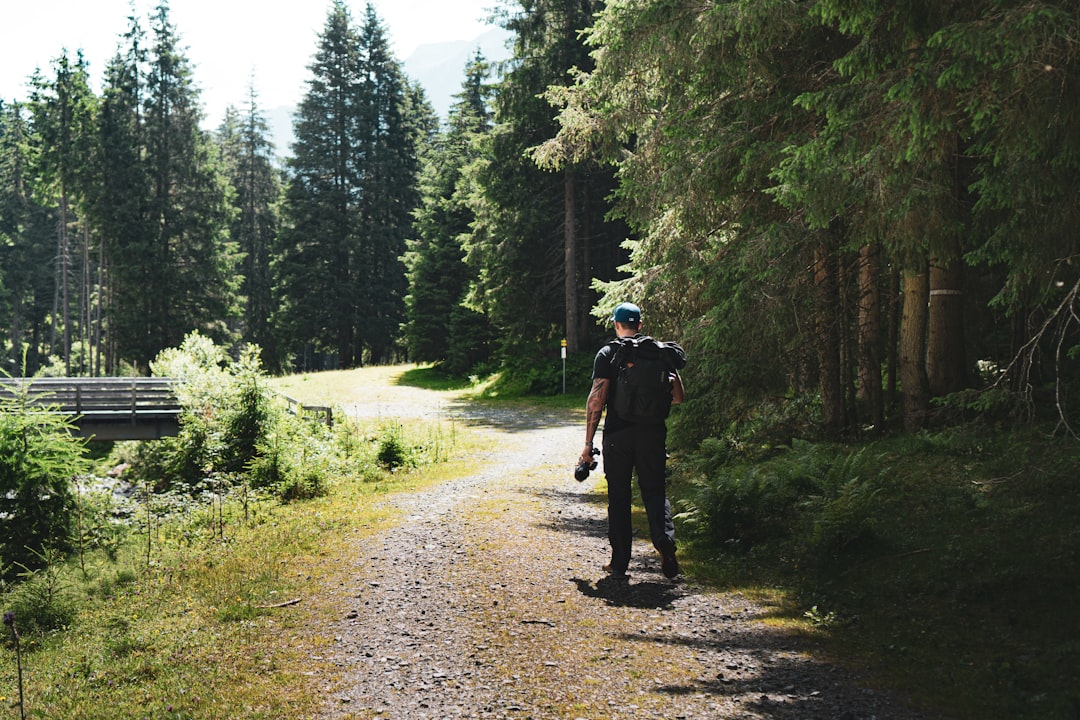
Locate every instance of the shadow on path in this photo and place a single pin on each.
(509, 419)
(644, 595)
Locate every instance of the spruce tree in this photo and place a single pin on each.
(188, 208)
(27, 248)
(313, 271)
(248, 155)
(392, 113)
(121, 201)
(349, 200)
(441, 328)
(163, 203)
(64, 111)
(541, 237)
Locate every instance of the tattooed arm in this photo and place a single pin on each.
(594, 409)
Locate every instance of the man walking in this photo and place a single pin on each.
(635, 434)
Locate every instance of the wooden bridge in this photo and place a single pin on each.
(107, 408)
(112, 408)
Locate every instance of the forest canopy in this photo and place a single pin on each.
(855, 218)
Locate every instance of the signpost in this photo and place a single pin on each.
(564, 366)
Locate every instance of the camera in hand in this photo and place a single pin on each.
(584, 468)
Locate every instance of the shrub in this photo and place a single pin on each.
(227, 414)
(811, 503)
(42, 601)
(39, 456)
(393, 452)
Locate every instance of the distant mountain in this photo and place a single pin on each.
(438, 67)
(280, 120)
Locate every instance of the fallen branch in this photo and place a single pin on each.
(295, 601)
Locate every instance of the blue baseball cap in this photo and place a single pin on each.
(627, 313)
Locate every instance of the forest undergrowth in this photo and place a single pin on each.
(944, 563)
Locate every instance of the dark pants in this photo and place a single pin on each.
(643, 448)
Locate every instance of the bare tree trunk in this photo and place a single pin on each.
(869, 328)
(85, 362)
(16, 336)
(848, 340)
(585, 286)
(65, 260)
(832, 395)
(893, 340)
(102, 298)
(946, 364)
(570, 261)
(914, 386)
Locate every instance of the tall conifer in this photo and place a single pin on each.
(349, 199)
(440, 327)
(163, 204)
(540, 237)
(248, 155)
(64, 110)
(27, 248)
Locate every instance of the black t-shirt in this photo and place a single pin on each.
(603, 369)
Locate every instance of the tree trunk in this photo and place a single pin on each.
(832, 395)
(946, 364)
(891, 347)
(84, 302)
(869, 343)
(585, 300)
(17, 364)
(570, 261)
(98, 309)
(914, 386)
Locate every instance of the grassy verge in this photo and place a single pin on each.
(218, 612)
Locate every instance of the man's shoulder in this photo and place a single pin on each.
(609, 348)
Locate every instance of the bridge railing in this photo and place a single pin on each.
(82, 396)
(112, 408)
(322, 412)
(104, 408)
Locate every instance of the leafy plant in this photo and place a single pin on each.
(41, 599)
(393, 452)
(39, 456)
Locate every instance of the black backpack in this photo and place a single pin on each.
(642, 378)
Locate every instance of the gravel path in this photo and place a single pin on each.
(485, 603)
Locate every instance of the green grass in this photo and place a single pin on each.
(218, 623)
(430, 377)
(943, 566)
(955, 581)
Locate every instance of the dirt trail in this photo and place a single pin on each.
(484, 603)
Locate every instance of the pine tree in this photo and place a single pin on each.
(695, 106)
(64, 110)
(541, 237)
(314, 275)
(248, 155)
(391, 113)
(27, 248)
(121, 202)
(163, 204)
(188, 203)
(349, 200)
(440, 327)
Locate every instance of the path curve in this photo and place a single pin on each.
(484, 602)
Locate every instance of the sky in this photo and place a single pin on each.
(233, 44)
